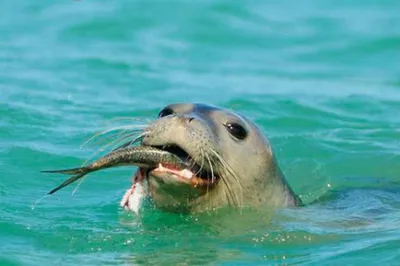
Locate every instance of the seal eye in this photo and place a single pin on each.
(236, 130)
(166, 111)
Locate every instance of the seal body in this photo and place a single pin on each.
(233, 163)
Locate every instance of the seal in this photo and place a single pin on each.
(233, 163)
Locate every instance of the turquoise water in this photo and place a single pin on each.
(321, 78)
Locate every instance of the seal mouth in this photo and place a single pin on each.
(197, 175)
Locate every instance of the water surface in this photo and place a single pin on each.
(321, 78)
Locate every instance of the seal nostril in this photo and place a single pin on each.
(191, 119)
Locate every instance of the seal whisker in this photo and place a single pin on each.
(202, 162)
(116, 141)
(211, 167)
(132, 141)
(123, 128)
(201, 167)
(103, 147)
(128, 127)
(125, 118)
(192, 162)
(231, 174)
(228, 167)
(223, 179)
(143, 120)
(121, 136)
(101, 139)
(205, 155)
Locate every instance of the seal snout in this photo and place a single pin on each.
(187, 136)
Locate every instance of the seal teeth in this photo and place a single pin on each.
(186, 173)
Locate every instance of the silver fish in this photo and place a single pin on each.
(139, 156)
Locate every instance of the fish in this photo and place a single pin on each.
(144, 156)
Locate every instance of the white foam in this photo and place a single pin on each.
(135, 199)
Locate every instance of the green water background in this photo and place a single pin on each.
(321, 78)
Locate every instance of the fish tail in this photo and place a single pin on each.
(67, 182)
(71, 171)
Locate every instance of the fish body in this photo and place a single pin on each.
(138, 156)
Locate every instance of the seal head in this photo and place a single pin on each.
(233, 164)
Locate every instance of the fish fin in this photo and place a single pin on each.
(66, 182)
(72, 171)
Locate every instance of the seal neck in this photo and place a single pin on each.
(290, 198)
